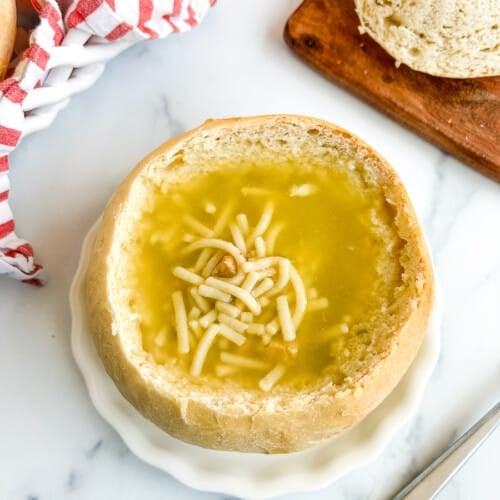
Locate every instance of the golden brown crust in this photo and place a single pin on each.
(7, 33)
(277, 424)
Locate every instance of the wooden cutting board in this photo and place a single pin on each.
(462, 117)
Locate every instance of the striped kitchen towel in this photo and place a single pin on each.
(107, 21)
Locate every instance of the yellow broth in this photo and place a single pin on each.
(330, 236)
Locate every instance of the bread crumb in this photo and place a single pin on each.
(226, 267)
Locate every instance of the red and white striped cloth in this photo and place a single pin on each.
(107, 21)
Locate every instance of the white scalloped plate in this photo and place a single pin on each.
(247, 474)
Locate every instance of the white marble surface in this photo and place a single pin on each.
(53, 445)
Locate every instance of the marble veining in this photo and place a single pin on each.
(72, 481)
(92, 452)
(54, 445)
(174, 125)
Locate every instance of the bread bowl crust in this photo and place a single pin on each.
(306, 419)
(7, 33)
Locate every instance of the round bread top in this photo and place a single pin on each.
(358, 252)
(7, 33)
(458, 39)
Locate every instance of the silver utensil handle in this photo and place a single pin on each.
(431, 480)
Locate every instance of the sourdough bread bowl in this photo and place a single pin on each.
(351, 239)
(454, 39)
(7, 33)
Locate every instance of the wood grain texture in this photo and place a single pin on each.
(462, 117)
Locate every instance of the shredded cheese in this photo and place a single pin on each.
(264, 301)
(256, 329)
(250, 281)
(219, 244)
(223, 219)
(194, 313)
(272, 236)
(242, 221)
(188, 276)
(225, 370)
(285, 319)
(197, 226)
(246, 317)
(260, 264)
(231, 334)
(212, 263)
(211, 292)
(202, 351)
(255, 191)
(267, 382)
(264, 286)
(195, 327)
(283, 277)
(229, 307)
(188, 238)
(199, 300)
(300, 296)
(263, 223)
(235, 291)
(269, 272)
(236, 280)
(243, 361)
(203, 259)
(260, 247)
(319, 304)
(208, 318)
(272, 327)
(181, 323)
(210, 208)
(302, 190)
(234, 323)
(238, 238)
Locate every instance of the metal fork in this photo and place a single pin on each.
(432, 479)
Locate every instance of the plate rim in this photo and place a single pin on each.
(119, 414)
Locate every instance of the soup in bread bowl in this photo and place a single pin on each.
(259, 284)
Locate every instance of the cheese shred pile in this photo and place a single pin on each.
(237, 289)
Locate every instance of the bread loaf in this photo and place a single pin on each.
(455, 39)
(366, 363)
(7, 33)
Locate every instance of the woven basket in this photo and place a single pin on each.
(65, 56)
(73, 66)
